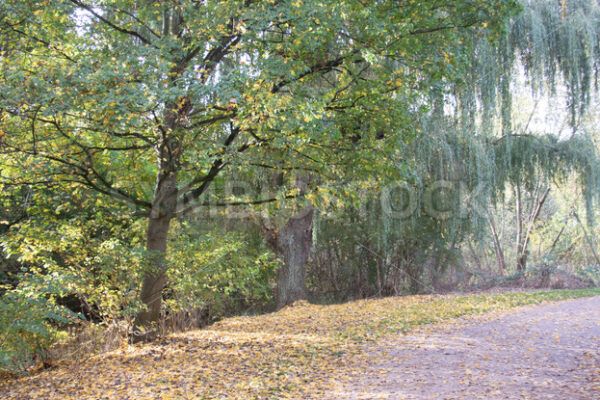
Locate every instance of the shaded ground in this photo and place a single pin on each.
(544, 352)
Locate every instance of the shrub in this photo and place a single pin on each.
(29, 322)
(222, 274)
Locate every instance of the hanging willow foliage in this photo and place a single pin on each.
(556, 44)
(469, 139)
(555, 41)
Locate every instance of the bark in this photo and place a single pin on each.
(523, 239)
(539, 203)
(163, 208)
(293, 244)
(154, 280)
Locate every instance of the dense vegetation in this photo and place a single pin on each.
(165, 164)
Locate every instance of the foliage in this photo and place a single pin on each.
(29, 317)
(291, 75)
(556, 44)
(299, 352)
(472, 142)
(150, 103)
(592, 273)
(98, 254)
(91, 250)
(222, 271)
(405, 237)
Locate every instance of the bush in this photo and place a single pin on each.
(94, 265)
(99, 274)
(591, 274)
(219, 274)
(29, 322)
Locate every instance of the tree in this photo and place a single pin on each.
(149, 102)
(476, 138)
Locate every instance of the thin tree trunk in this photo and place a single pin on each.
(378, 278)
(474, 255)
(523, 239)
(557, 238)
(519, 206)
(539, 203)
(497, 247)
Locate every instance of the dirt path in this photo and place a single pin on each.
(541, 352)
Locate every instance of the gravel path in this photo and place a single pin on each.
(543, 352)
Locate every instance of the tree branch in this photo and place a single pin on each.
(126, 31)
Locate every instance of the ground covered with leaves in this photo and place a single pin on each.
(543, 352)
(302, 351)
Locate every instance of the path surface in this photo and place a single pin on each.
(539, 352)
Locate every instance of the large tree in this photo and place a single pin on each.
(148, 102)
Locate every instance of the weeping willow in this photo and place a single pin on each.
(470, 138)
(556, 43)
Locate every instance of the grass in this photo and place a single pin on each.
(299, 352)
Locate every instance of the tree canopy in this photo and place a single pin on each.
(148, 102)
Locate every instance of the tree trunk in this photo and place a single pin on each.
(523, 239)
(519, 251)
(498, 250)
(293, 244)
(154, 279)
